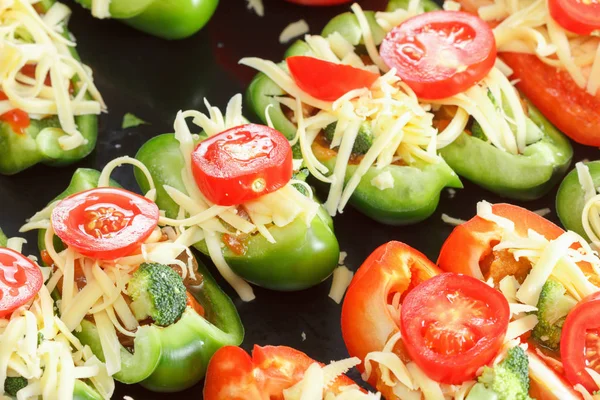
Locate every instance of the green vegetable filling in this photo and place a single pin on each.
(157, 292)
(553, 306)
(363, 142)
(13, 384)
(508, 380)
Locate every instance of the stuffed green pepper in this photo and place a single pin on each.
(132, 291)
(237, 188)
(48, 101)
(578, 201)
(173, 19)
(387, 125)
(38, 355)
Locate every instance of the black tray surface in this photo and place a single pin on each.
(153, 79)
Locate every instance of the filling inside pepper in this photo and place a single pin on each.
(370, 118)
(41, 357)
(41, 79)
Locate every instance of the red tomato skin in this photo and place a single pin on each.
(233, 375)
(367, 324)
(20, 280)
(453, 369)
(325, 80)
(576, 16)
(582, 317)
(470, 242)
(570, 108)
(319, 2)
(227, 180)
(68, 219)
(422, 71)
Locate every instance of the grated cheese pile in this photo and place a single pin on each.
(590, 217)
(401, 125)
(36, 344)
(527, 27)
(27, 38)
(317, 381)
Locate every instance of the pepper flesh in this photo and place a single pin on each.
(570, 199)
(172, 358)
(301, 257)
(20, 150)
(174, 19)
(417, 188)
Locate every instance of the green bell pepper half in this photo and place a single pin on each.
(417, 188)
(3, 238)
(301, 257)
(172, 358)
(19, 151)
(168, 19)
(570, 199)
(526, 176)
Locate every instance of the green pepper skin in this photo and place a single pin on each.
(83, 391)
(167, 19)
(19, 151)
(570, 199)
(3, 238)
(417, 188)
(526, 176)
(301, 257)
(173, 358)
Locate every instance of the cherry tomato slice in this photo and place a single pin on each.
(233, 375)
(578, 16)
(20, 280)
(105, 223)
(580, 342)
(242, 164)
(17, 119)
(325, 80)
(452, 325)
(440, 53)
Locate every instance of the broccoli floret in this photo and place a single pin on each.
(13, 384)
(508, 380)
(363, 142)
(301, 176)
(157, 292)
(553, 306)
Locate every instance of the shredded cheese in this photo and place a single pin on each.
(527, 27)
(28, 39)
(257, 6)
(293, 30)
(101, 8)
(342, 277)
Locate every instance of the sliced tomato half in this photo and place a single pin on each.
(578, 16)
(440, 53)
(233, 375)
(105, 223)
(20, 280)
(452, 325)
(367, 323)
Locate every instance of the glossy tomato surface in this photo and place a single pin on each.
(452, 325)
(20, 280)
(581, 17)
(242, 164)
(440, 53)
(104, 223)
(162, 77)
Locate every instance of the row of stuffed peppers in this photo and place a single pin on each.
(508, 312)
(469, 114)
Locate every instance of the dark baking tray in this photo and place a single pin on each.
(153, 79)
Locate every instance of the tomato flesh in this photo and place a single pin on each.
(17, 119)
(104, 223)
(325, 80)
(20, 280)
(440, 53)
(233, 375)
(242, 164)
(452, 325)
(578, 16)
(580, 342)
